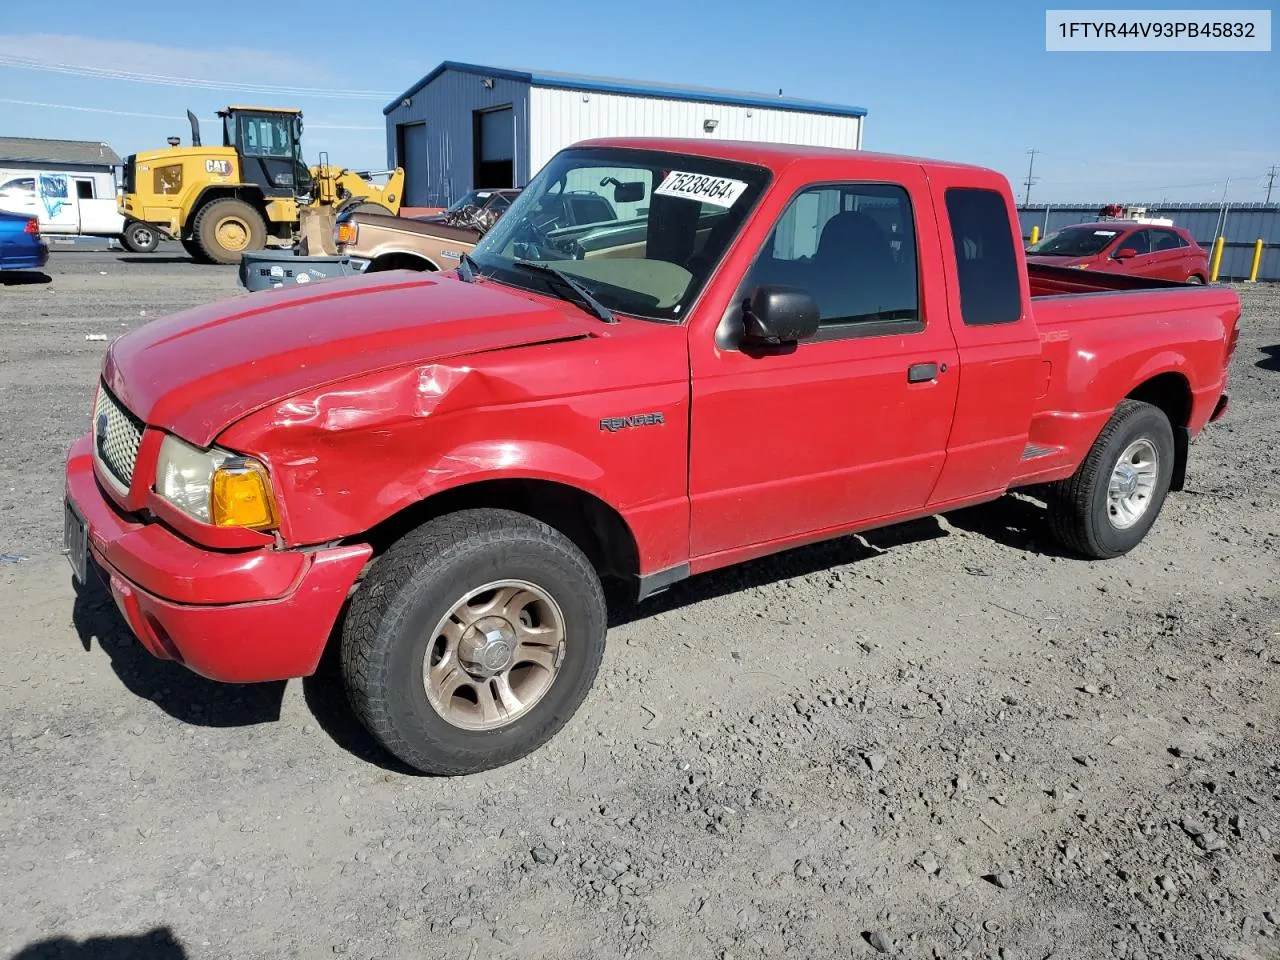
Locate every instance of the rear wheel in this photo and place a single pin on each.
(226, 229)
(1195, 278)
(1107, 506)
(140, 237)
(473, 640)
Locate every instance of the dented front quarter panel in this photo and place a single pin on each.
(347, 456)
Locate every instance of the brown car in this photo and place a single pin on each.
(376, 241)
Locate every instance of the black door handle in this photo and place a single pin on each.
(921, 372)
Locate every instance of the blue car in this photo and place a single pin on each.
(20, 245)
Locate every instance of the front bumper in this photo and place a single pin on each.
(235, 616)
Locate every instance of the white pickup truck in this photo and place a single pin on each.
(73, 205)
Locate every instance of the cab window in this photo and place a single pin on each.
(1139, 241)
(265, 137)
(852, 246)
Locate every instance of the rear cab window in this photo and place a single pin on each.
(986, 260)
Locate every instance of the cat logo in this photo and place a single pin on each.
(220, 167)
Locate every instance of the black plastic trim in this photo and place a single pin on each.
(654, 583)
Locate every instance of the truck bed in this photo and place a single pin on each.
(1102, 334)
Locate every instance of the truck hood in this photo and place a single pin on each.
(195, 373)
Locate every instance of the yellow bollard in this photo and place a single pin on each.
(1217, 259)
(1035, 234)
(1257, 262)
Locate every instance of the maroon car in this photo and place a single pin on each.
(1125, 246)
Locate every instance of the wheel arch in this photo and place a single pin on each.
(596, 527)
(1170, 392)
(209, 194)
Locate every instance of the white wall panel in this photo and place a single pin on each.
(560, 117)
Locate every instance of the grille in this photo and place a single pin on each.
(116, 434)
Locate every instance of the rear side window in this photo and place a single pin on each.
(1167, 240)
(985, 257)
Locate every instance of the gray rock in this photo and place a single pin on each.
(557, 822)
(875, 761)
(1210, 842)
(460, 923)
(1194, 828)
(543, 854)
(1000, 879)
(1167, 885)
(803, 870)
(880, 941)
(1090, 689)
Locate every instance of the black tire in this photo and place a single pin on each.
(368, 207)
(1195, 278)
(221, 212)
(193, 249)
(1080, 512)
(140, 237)
(410, 589)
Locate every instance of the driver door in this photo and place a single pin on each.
(267, 154)
(852, 424)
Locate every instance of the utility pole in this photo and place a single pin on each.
(1026, 199)
(1271, 180)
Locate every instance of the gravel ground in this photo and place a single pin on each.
(941, 740)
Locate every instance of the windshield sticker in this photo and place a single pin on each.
(1104, 233)
(720, 191)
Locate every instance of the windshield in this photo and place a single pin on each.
(641, 231)
(1074, 242)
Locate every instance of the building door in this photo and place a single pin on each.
(411, 156)
(495, 148)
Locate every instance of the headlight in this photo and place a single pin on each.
(215, 486)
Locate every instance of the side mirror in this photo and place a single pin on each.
(777, 315)
(1126, 253)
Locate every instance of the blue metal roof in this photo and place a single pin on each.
(636, 88)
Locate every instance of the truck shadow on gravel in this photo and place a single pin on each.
(1013, 521)
(159, 944)
(173, 688)
(1272, 359)
(23, 278)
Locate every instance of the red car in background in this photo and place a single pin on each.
(1130, 247)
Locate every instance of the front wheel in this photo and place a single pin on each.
(140, 237)
(1107, 506)
(473, 640)
(226, 229)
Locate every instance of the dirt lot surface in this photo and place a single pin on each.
(942, 740)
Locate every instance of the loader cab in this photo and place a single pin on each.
(269, 145)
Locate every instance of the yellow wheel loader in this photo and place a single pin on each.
(224, 201)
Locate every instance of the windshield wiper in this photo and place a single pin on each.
(467, 268)
(581, 293)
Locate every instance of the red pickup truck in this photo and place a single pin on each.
(770, 345)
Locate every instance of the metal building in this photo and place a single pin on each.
(464, 126)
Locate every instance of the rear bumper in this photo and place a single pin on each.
(239, 617)
(32, 259)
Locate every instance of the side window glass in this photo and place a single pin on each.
(1166, 240)
(1139, 240)
(986, 264)
(853, 248)
(22, 188)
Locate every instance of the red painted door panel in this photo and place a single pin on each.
(831, 432)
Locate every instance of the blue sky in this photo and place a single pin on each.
(955, 81)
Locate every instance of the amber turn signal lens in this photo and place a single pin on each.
(346, 232)
(241, 496)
